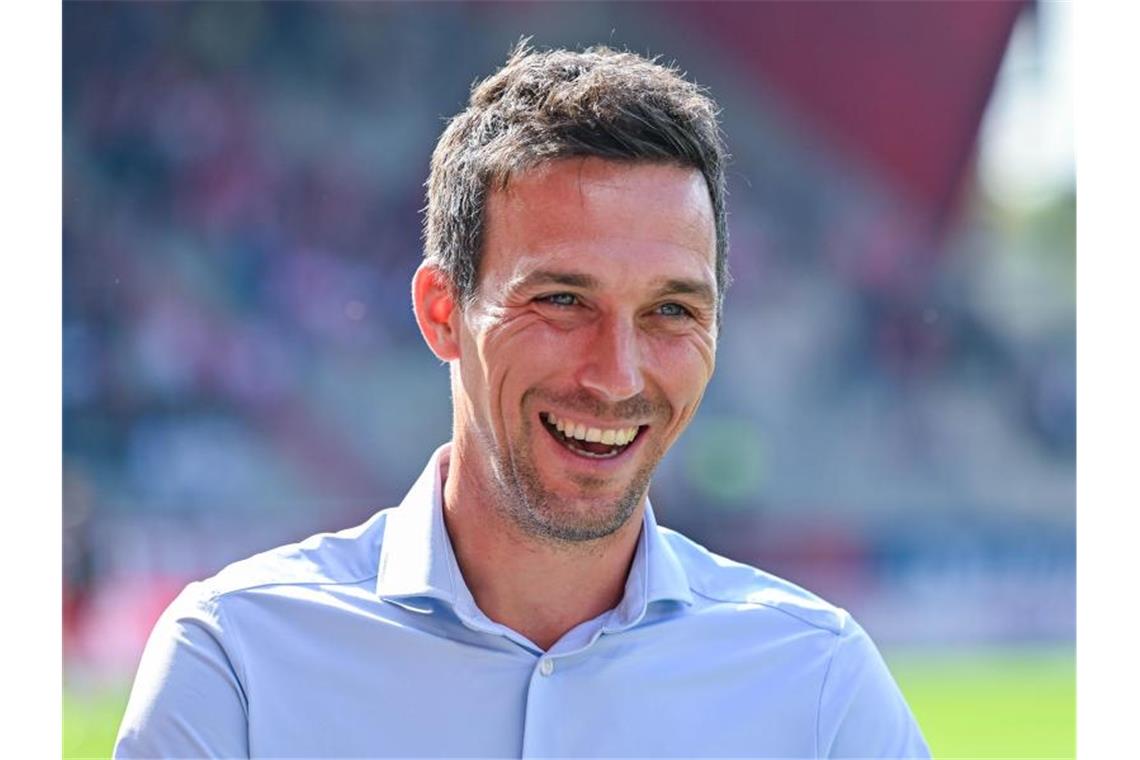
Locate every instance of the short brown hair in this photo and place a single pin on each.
(543, 106)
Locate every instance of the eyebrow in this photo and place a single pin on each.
(698, 288)
(555, 277)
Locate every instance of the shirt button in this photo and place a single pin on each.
(546, 667)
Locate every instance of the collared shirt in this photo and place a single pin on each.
(368, 642)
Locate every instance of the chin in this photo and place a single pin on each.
(574, 517)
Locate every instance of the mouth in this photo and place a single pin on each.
(590, 442)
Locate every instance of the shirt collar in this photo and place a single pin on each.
(417, 561)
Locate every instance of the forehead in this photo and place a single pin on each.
(626, 219)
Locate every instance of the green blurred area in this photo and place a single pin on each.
(1002, 703)
(91, 719)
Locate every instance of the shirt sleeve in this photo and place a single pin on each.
(862, 712)
(187, 699)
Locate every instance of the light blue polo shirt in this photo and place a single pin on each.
(367, 643)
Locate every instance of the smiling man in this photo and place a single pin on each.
(522, 600)
(580, 357)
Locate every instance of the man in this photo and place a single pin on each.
(522, 600)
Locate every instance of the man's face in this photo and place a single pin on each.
(594, 317)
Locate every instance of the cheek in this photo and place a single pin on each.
(683, 370)
(516, 358)
(536, 348)
(684, 363)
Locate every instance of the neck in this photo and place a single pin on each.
(537, 586)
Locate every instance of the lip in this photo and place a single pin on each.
(594, 465)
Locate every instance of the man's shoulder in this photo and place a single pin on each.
(719, 579)
(348, 556)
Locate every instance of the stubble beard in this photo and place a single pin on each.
(543, 515)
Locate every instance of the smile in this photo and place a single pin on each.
(590, 442)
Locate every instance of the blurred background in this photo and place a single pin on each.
(892, 422)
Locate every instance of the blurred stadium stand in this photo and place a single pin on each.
(892, 423)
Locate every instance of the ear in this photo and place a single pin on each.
(436, 307)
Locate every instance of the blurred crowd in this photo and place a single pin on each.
(892, 422)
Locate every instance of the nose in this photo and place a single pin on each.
(613, 371)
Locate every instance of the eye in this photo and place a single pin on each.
(674, 310)
(559, 299)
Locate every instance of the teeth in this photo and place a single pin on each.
(609, 437)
